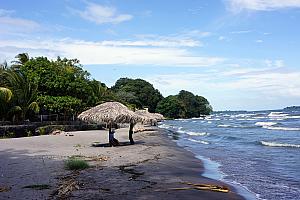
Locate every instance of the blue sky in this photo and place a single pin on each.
(239, 54)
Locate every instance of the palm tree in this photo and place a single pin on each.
(25, 92)
(5, 97)
(3, 66)
(22, 58)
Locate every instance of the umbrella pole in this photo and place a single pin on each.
(130, 133)
(109, 131)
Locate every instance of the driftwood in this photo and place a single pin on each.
(200, 186)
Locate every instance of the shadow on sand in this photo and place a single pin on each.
(98, 144)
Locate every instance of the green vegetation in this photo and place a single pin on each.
(137, 92)
(32, 86)
(184, 105)
(74, 163)
(63, 86)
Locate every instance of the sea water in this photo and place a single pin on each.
(257, 151)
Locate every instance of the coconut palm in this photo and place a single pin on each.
(5, 97)
(25, 92)
(22, 58)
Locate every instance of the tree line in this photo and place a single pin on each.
(31, 86)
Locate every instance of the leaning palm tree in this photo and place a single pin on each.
(112, 113)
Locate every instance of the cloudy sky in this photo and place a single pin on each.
(239, 54)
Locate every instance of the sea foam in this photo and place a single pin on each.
(265, 124)
(198, 141)
(224, 125)
(275, 144)
(282, 128)
(196, 133)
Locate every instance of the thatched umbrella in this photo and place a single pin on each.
(158, 116)
(152, 116)
(112, 113)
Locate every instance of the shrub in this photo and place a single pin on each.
(76, 164)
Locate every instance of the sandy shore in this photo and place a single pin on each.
(147, 170)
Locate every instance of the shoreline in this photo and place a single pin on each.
(149, 169)
(211, 169)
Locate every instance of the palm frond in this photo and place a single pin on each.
(34, 106)
(5, 94)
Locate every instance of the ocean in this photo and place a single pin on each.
(257, 151)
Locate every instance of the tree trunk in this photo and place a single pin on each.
(130, 133)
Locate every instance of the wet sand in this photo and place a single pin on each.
(147, 170)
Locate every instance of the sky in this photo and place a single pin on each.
(239, 54)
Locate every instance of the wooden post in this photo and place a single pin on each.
(109, 130)
(130, 133)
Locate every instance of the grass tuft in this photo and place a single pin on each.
(76, 164)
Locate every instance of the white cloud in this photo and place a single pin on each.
(112, 52)
(241, 32)
(261, 5)
(4, 12)
(10, 24)
(274, 63)
(259, 41)
(160, 42)
(102, 14)
(18, 23)
(244, 89)
(278, 84)
(221, 38)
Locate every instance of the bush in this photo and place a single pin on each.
(76, 164)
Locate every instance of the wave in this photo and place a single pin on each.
(277, 114)
(198, 141)
(224, 125)
(193, 133)
(275, 144)
(294, 117)
(282, 128)
(164, 126)
(265, 124)
(197, 133)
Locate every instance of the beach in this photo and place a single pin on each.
(152, 168)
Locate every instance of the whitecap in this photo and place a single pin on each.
(278, 115)
(198, 141)
(275, 114)
(223, 125)
(265, 124)
(164, 126)
(275, 144)
(294, 117)
(283, 128)
(197, 133)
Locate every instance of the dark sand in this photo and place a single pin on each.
(146, 170)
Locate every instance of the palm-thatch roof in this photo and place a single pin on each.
(159, 116)
(111, 112)
(153, 116)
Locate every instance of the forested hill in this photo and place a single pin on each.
(31, 86)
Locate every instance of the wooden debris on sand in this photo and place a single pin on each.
(5, 188)
(200, 186)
